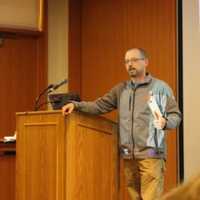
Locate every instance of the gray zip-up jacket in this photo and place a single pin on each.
(138, 136)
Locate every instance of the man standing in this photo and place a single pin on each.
(141, 127)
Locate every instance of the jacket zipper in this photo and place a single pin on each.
(132, 118)
(130, 100)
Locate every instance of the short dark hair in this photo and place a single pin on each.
(142, 52)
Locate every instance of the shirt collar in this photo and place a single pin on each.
(146, 80)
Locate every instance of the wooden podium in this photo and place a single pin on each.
(65, 158)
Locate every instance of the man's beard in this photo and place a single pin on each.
(135, 73)
(132, 72)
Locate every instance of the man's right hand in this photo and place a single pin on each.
(68, 108)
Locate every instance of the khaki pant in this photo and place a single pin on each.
(144, 178)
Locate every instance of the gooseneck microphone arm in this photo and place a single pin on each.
(56, 86)
(48, 90)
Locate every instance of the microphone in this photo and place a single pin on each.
(56, 86)
(48, 90)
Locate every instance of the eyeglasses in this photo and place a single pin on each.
(133, 60)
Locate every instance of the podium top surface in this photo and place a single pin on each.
(46, 112)
(39, 112)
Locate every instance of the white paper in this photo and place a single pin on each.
(154, 107)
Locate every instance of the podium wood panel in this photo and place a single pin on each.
(65, 158)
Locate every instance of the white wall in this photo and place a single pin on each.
(58, 42)
(191, 86)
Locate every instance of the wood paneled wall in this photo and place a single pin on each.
(23, 64)
(21, 79)
(102, 30)
(23, 76)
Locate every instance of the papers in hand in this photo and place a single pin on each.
(154, 107)
(10, 138)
